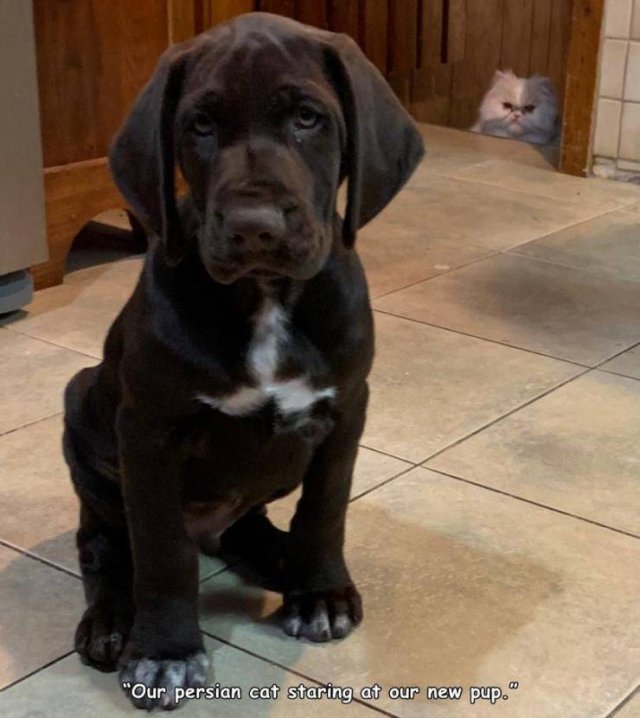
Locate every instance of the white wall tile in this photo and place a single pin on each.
(614, 56)
(607, 132)
(630, 132)
(632, 79)
(629, 165)
(617, 20)
(635, 22)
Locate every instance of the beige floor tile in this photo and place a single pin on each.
(631, 709)
(607, 246)
(395, 256)
(33, 377)
(78, 313)
(39, 609)
(559, 311)
(627, 364)
(40, 508)
(466, 587)
(577, 449)
(471, 213)
(431, 387)
(372, 469)
(596, 193)
(450, 150)
(72, 690)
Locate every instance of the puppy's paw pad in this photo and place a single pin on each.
(321, 616)
(161, 679)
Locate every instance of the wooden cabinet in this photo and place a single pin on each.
(95, 55)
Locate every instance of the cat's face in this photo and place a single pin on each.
(518, 106)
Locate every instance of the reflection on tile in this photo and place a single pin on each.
(597, 194)
(458, 211)
(627, 364)
(72, 690)
(612, 63)
(530, 304)
(395, 256)
(34, 375)
(78, 313)
(427, 392)
(606, 245)
(577, 450)
(465, 587)
(39, 609)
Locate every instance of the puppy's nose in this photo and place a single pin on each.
(254, 228)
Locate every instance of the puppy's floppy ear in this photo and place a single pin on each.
(383, 143)
(142, 156)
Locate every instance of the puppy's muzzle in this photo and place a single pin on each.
(254, 229)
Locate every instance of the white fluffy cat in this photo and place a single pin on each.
(520, 108)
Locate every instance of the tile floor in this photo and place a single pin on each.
(496, 507)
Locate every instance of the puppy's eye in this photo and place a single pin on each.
(202, 123)
(507, 106)
(306, 118)
(529, 108)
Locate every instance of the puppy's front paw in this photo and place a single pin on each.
(102, 634)
(322, 615)
(161, 678)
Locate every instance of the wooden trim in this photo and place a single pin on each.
(582, 69)
(74, 195)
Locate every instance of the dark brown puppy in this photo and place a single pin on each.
(237, 370)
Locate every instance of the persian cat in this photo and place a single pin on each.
(520, 108)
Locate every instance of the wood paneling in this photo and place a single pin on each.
(375, 38)
(313, 12)
(93, 58)
(580, 85)
(221, 10)
(517, 24)
(540, 37)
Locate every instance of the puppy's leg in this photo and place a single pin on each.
(105, 562)
(321, 601)
(165, 650)
(254, 538)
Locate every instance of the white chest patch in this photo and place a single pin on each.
(293, 395)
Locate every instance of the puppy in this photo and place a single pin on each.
(238, 369)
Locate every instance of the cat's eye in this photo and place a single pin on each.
(529, 108)
(202, 123)
(507, 106)
(306, 118)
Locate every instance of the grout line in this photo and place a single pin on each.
(384, 482)
(485, 339)
(293, 671)
(491, 253)
(546, 392)
(37, 670)
(635, 692)
(40, 559)
(30, 423)
(54, 344)
(615, 356)
(386, 453)
(617, 373)
(534, 503)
